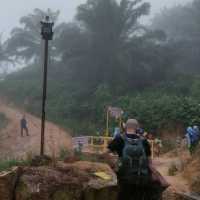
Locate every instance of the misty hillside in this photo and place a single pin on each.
(106, 57)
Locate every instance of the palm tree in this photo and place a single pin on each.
(25, 41)
(111, 25)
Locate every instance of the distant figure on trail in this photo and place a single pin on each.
(24, 127)
(80, 147)
(158, 146)
(134, 172)
(193, 137)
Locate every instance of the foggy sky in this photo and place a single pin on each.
(12, 10)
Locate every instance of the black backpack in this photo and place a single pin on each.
(134, 165)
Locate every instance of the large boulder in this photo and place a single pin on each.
(67, 182)
(8, 181)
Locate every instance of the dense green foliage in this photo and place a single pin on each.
(177, 102)
(106, 57)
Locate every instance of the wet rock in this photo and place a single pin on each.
(67, 182)
(8, 182)
(107, 193)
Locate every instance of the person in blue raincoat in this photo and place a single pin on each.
(193, 137)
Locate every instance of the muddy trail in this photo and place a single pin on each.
(178, 183)
(13, 145)
(184, 184)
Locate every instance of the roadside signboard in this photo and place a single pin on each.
(83, 140)
(115, 112)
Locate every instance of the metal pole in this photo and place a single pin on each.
(107, 123)
(44, 97)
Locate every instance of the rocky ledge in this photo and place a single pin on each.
(75, 181)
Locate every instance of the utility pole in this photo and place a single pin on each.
(47, 34)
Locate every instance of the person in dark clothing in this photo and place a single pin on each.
(24, 127)
(129, 191)
(117, 145)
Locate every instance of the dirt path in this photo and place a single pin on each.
(13, 145)
(178, 183)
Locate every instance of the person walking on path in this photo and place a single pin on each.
(24, 127)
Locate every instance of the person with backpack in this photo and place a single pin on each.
(192, 137)
(134, 176)
(197, 132)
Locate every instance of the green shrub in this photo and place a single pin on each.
(82, 109)
(8, 164)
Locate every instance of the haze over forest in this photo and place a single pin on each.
(11, 12)
(113, 65)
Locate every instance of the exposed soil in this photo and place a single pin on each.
(13, 145)
(178, 183)
(192, 173)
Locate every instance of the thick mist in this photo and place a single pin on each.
(11, 11)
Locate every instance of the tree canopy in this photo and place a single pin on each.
(25, 41)
(107, 57)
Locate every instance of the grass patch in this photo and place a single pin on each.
(8, 164)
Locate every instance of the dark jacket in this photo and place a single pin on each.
(23, 123)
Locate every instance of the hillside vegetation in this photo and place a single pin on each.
(106, 57)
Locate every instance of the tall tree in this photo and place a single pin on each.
(111, 25)
(25, 41)
(120, 48)
(3, 52)
(5, 60)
